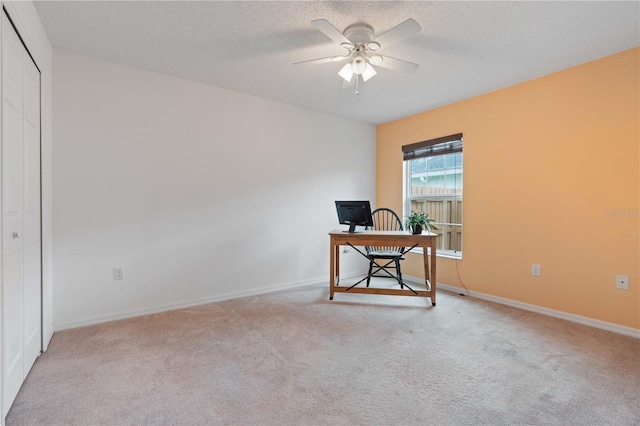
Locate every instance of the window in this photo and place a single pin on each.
(433, 185)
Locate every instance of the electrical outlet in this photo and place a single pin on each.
(622, 282)
(535, 270)
(118, 273)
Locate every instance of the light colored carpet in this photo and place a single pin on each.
(296, 358)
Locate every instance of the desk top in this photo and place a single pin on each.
(383, 238)
(379, 233)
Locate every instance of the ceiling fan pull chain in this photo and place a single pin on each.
(357, 81)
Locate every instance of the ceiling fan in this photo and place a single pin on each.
(362, 48)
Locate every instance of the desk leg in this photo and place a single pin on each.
(432, 278)
(332, 268)
(337, 282)
(428, 283)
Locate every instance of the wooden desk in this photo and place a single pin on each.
(383, 238)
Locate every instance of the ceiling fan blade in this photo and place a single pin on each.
(399, 32)
(322, 60)
(398, 65)
(330, 31)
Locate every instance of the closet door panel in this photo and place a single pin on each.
(12, 215)
(32, 223)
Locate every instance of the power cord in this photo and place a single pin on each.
(460, 281)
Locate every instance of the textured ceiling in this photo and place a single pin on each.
(464, 48)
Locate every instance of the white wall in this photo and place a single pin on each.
(200, 193)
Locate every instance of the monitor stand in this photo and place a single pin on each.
(352, 229)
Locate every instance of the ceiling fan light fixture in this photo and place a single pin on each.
(347, 46)
(346, 72)
(375, 59)
(373, 46)
(368, 72)
(359, 65)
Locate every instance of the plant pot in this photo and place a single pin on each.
(417, 229)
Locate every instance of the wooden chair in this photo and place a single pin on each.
(382, 259)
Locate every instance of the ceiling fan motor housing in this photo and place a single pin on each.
(359, 33)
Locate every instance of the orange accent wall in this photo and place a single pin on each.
(550, 177)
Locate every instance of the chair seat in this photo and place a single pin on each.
(385, 254)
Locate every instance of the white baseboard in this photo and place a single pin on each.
(603, 325)
(98, 319)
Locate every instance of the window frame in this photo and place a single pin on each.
(407, 198)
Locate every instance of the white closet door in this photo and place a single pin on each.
(21, 235)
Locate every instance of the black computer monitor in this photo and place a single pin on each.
(354, 213)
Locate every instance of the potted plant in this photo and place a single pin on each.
(416, 222)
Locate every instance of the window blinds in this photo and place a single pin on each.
(432, 147)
